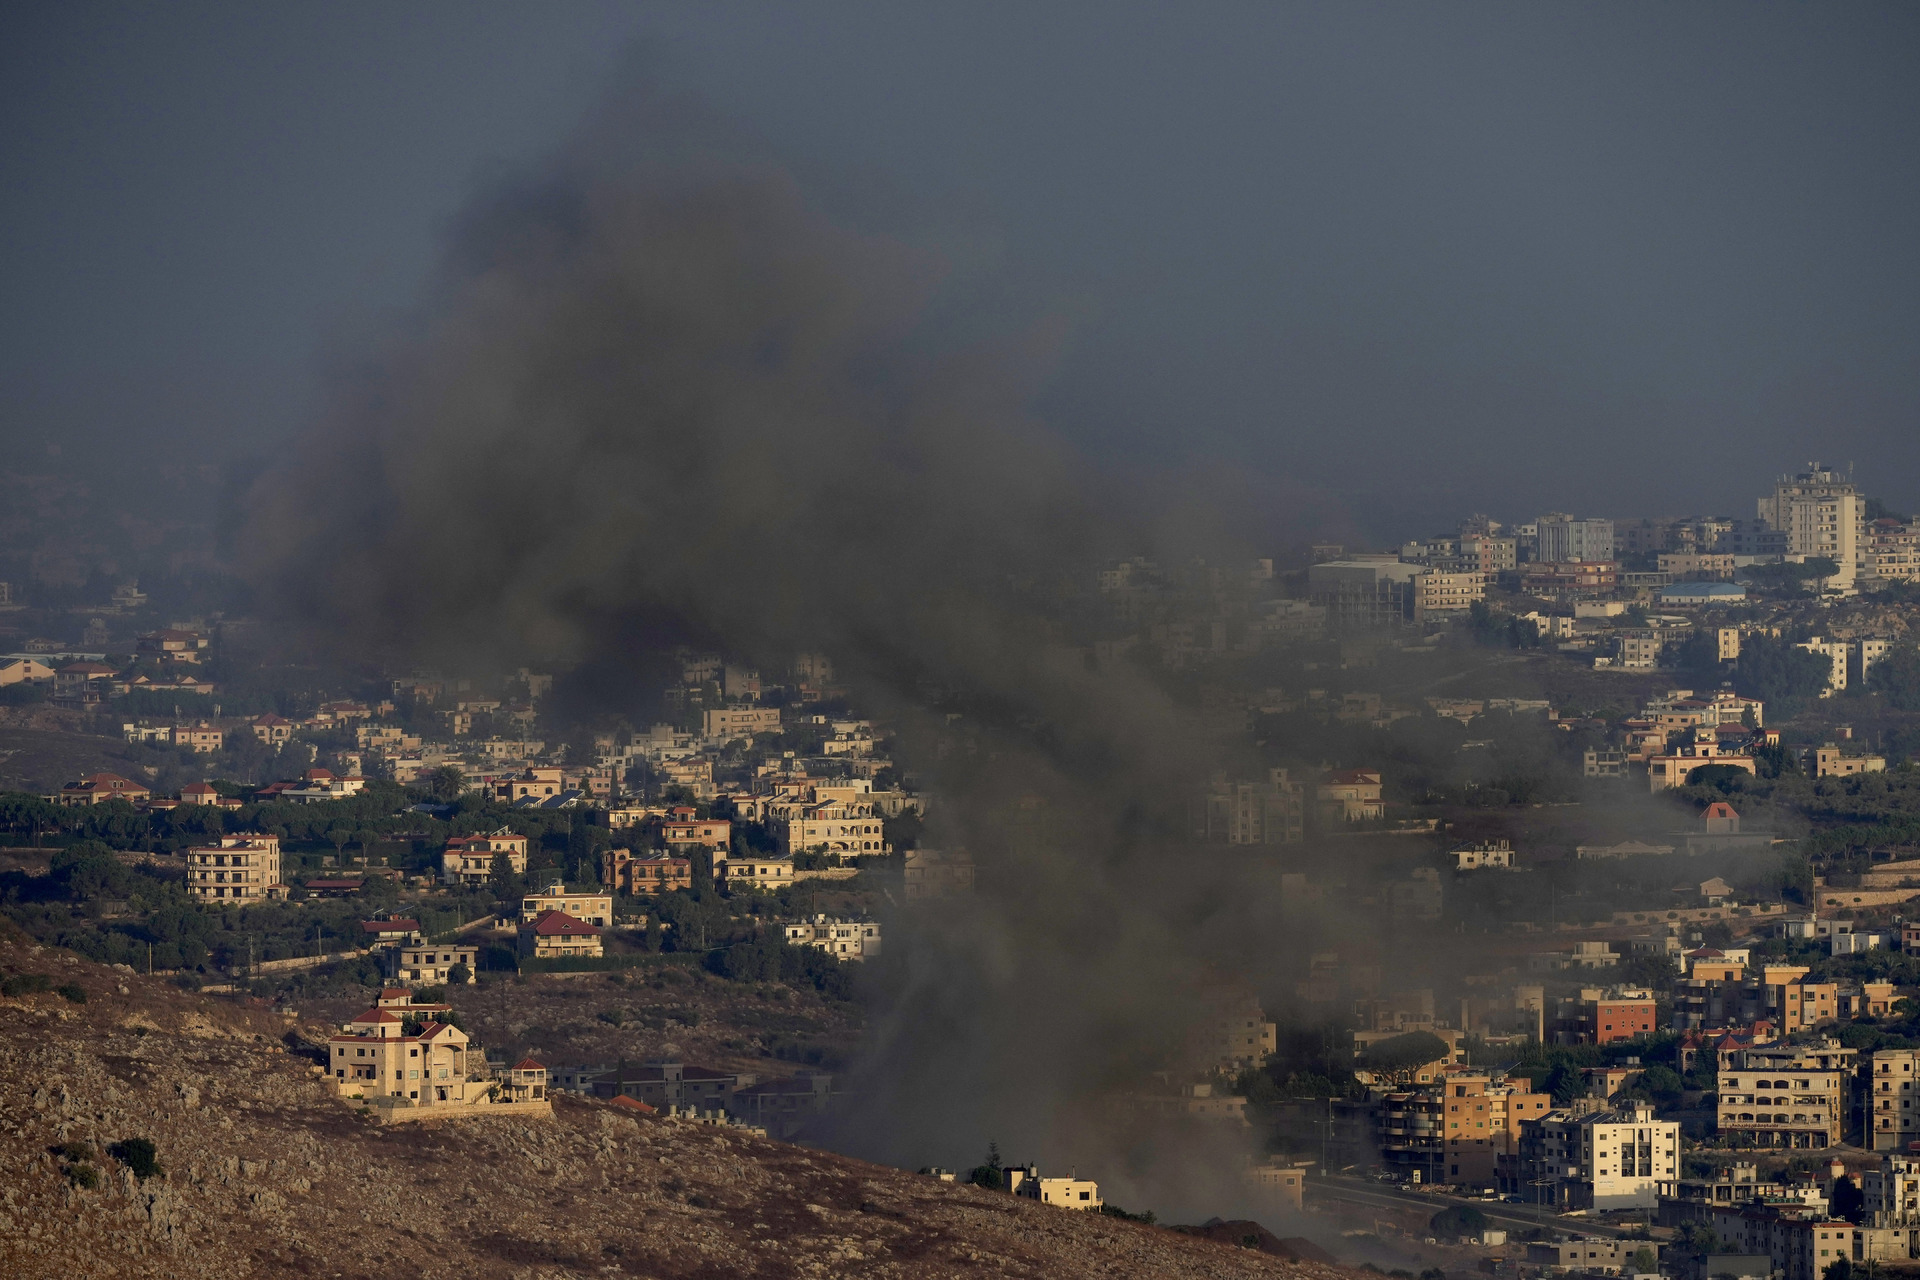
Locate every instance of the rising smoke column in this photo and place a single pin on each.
(654, 392)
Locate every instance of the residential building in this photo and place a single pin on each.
(373, 1057)
(841, 939)
(646, 874)
(526, 1081)
(201, 738)
(1890, 1195)
(844, 829)
(1273, 812)
(594, 908)
(1697, 565)
(1800, 1241)
(1483, 855)
(1672, 768)
(468, 860)
(1601, 762)
(1570, 578)
(99, 788)
(171, 646)
(1584, 1255)
(723, 723)
(1280, 1180)
(683, 831)
(1364, 592)
(430, 964)
(536, 784)
(1893, 1099)
(784, 1106)
(271, 729)
(25, 671)
(1623, 1013)
(1892, 551)
(1081, 1194)
(555, 935)
(1350, 795)
(239, 871)
(386, 931)
(662, 1084)
(758, 872)
(1622, 1159)
(938, 873)
(1561, 539)
(1438, 593)
(1821, 515)
(1867, 652)
(1831, 762)
(1787, 1096)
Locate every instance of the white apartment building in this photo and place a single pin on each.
(1893, 1099)
(241, 869)
(841, 939)
(1891, 1193)
(1558, 539)
(1822, 515)
(1621, 1159)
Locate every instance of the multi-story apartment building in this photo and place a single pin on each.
(1439, 593)
(739, 722)
(841, 939)
(1800, 1241)
(1561, 538)
(1893, 1099)
(1621, 1159)
(845, 829)
(594, 908)
(1273, 812)
(1787, 1096)
(1363, 592)
(241, 869)
(1890, 1195)
(468, 860)
(429, 965)
(1835, 652)
(644, 874)
(1821, 515)
(1892, 551)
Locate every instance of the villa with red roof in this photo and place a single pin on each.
(1350, 795)
(98, 789)
(374, 1057)
(556, 935)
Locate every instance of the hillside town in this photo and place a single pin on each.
(1594, 841)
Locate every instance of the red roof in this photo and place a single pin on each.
(270, 720)
(105, 782)
(377, 1015)
(632, 1104)
(1721, 809)
(389, 926)
(529, 1064)
(335, 884)
(558, 924)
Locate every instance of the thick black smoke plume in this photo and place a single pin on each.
(657, 395)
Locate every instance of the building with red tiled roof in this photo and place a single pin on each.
(1722, 819)
(525, 1082)
(1350, 795)
(271, 729)
(373, 1057)
(555, 935)
(98, 789)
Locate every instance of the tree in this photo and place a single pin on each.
(1461, 1220)
(459, 975)
(1896, 677)
(989, 1173)
(1839, 1269)
(446, 783)
(1400, 1055)
(1848, 1202)
(1783, 677)
(1645, 1261)
(501, 879)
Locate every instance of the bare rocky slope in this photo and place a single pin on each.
(261, 1173)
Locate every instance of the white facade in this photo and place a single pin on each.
(841, 939)
(1558, 539)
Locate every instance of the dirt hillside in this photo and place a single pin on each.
(261, 1173)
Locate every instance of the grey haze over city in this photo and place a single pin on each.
(1361, 265)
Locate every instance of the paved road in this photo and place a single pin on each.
(1511, 1215)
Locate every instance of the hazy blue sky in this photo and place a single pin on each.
(1624, 258)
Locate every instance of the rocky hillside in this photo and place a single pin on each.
(252, 1170)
